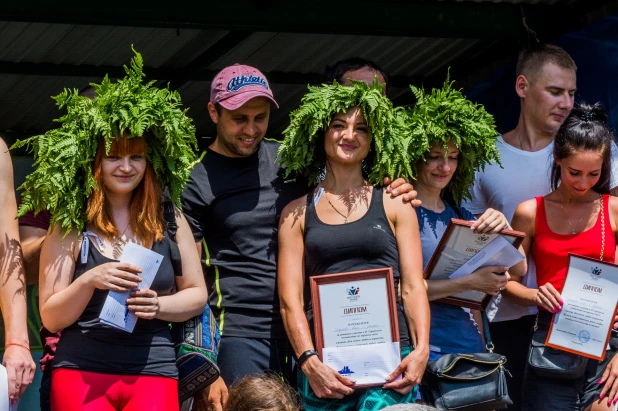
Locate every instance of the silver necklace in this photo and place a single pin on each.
(118, 240)
(573, 231)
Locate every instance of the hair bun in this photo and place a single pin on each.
(591, 112)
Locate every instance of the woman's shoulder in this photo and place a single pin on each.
(525, 215)
(296, 208)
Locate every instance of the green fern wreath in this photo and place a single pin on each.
(446, 115)
(299, 150)
(62, 179)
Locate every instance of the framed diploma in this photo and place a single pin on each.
(590, 296)
(459, 245)
(355, 318)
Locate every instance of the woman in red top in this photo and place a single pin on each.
(578, 217)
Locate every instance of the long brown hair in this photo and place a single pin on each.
(146, 216)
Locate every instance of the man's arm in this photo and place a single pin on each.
(17, 358)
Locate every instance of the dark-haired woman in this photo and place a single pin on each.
(347, 224)
(579, 217)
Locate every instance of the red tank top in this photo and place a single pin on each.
(551, 250)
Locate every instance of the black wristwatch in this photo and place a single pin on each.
(305, 356)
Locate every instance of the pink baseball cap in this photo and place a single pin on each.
(237, 84)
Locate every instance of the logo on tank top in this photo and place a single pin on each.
(379, 227)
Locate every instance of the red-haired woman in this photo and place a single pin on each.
(98, 367)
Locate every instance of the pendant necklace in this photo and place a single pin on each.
(118, 240)
(345, 217)
(573, 231)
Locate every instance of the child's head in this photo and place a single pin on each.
(266, 392)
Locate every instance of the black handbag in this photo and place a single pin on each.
(550, 362)
(468, 382)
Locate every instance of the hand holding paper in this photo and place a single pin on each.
(498, 252)
(115, 312)
(143, 303)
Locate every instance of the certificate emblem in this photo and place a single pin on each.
(353, 293)
(596, 271)
(346, 371)
(584, 336)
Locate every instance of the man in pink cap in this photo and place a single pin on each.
(240, 101)
(233, 202)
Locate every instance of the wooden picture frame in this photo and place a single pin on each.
(357, 278)
(438, 267)
(609, 331)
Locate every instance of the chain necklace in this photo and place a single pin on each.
(338, 212)
(521, 144)
(118, 240)
(573, 230)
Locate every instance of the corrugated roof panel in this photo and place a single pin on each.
(91, 45)
(29, 105)
(242, 51)
(29, 41)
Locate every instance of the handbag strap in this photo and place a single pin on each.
(489, 345)
(172, 227)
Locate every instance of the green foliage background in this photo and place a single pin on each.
(62, 180)
(299, 149)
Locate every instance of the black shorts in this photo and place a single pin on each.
(541, 393)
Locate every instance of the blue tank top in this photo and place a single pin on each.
(447, 320)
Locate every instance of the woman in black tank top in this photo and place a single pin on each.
(110, 195)
(348, 224)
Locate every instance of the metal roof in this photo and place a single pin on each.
(44, 51)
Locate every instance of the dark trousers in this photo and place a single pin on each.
(511, 339)
(44, 391)
(239, 357)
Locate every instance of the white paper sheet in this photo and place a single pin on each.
(355, 313)
(5, 403)
(114, 310)
(365, 364)
(498, 252)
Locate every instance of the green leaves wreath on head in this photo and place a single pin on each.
(446, 115)
(304, 137)
(62, 179)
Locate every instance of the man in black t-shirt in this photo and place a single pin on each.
(233, 202)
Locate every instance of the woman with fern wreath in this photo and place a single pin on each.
(456, 138)
(349, 223)
(101, 176)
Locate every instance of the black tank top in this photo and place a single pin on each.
(90, 345)
(366, 243)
